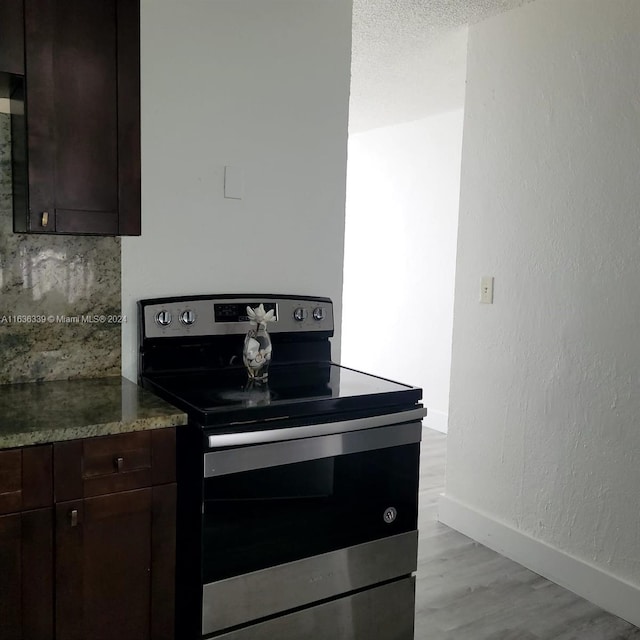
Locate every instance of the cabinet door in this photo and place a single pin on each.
(26, 575)
(82, 117)
(108, 564)
(11, 577)
(25, 479)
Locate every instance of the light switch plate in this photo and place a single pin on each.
(233, 183)
(486, 290)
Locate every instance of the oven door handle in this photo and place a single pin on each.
(243, 438)
(273, 454)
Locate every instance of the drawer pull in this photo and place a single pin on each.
(73, 517)
(45, 218)
(119, 463)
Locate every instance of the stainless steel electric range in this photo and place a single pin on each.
(297, 498)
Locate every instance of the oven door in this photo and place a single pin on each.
(290, 523)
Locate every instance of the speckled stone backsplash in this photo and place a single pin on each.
(61, 280)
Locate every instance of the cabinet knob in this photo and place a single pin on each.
(73, 517)
(119, 463)
(45, 218)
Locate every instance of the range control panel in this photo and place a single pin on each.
(227, 315)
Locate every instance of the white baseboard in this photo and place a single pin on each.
(588, 581)
(437, 420)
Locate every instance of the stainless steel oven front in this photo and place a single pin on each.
(297, 497)
(312, 528)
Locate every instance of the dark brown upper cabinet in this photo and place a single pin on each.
(11, 51)
(11, 37)
(76, 148)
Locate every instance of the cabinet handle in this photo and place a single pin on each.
(73, 517)
(45, 218)
(119, 463)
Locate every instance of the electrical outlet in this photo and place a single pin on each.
(486, 290)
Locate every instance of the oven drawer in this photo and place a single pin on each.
(276, 589)
(384, 613)
(108, 464)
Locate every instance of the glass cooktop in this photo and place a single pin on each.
(226, 396)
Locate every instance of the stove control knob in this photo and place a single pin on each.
(319, 313)
(187, 317)
(300, 314)
(163, 318)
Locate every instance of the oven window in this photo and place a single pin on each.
(258, 519)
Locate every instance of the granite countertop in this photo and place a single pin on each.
(41, 412)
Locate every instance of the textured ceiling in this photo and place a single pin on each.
(409, 57)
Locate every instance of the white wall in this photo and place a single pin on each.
(543, 429)
(261, 85)
(400, 250)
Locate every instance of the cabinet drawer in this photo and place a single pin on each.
(117, 455)
(25, 479)
(108, 464)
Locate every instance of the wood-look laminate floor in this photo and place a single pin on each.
(468, 592)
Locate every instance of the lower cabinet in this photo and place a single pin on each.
(26, 575)
(96, 559)
(114, 566)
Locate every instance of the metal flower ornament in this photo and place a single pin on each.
(256, 353)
